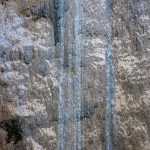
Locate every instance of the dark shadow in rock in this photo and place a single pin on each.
(3, 83)
(50, 10)
(27, 55)
(9, 55)
(86, 111)
(13, 129)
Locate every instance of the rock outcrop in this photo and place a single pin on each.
(75, 75)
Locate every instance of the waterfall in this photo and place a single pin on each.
(69, 123)
(109, 95)
(110, 122)
(77, 113)
(61, 113)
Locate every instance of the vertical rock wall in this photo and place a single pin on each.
(131, 53)
(43, 62)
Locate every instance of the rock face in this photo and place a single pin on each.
(74, 75)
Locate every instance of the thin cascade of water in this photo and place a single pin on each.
(109, 84)
(109, 93)
(70, 129)
(61, 113)
(77, 114)
(109, 81)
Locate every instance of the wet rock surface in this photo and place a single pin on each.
(30, 69)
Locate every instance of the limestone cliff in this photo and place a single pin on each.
(74, 75)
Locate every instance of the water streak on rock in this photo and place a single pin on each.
(61, 117)
(109, 85)
(77, 114)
